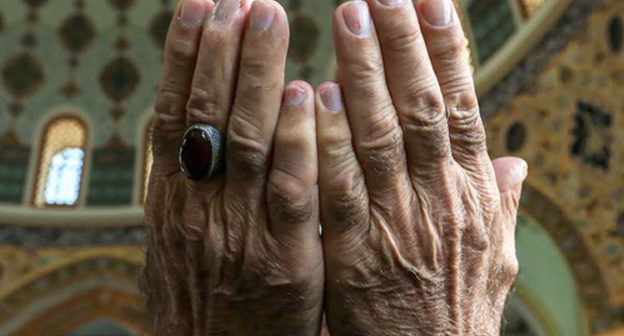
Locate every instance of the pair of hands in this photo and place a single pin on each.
(418, 223)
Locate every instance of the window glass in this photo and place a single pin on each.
(61, 163)
(64, 175)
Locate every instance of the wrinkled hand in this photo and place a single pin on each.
(418, 223)
(241, 254)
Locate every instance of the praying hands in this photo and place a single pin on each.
(391, 160)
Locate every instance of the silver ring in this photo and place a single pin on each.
(201, 155)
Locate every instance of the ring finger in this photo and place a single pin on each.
(257, 104)
(378, 139)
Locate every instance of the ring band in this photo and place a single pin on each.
(202, 152)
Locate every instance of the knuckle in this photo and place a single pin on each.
(470, 144)
(292, 139)
(347, 202)
(343, 184)
(382, 122)
(204, 104)
(247, 155)
(453, 48)
(289, 198)
(468, 132)
(255, 69)
(401, 39)
(180, 51)
(366, 68)
(254, 86)
(167, 120)
(510, 270)
(338, 155)
(168, 102)
(423, 107)
(385, 153)
(460, 91)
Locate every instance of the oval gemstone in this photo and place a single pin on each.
(196, 154)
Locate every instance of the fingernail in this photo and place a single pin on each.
(357, 18)
(390, 3)
(262, 15)
(518, 175)
(193, 13)
(294, 95)
(524, 170)
(437, 12)
(331, 97)
(225, 10)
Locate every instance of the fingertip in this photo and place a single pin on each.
(329, 97)
(436, 13)
(510, 173)
(298, 96)
(303, 84)
(192, 13)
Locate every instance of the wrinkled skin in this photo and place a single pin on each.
(241, 254)
(418, 222)
(418, 235)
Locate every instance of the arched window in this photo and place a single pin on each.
(61, 163)
(148, 158)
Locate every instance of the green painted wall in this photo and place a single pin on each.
(546, 291)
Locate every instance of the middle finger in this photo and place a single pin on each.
(414, 87)
(217, 63)
(378, 139)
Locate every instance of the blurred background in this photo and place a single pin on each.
(77, 86)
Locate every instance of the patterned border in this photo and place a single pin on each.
(54, 237)
(525, 73)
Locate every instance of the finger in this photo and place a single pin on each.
(292, 191)
(343, 194)
(510, 173)
(180, 56)
(413, 86)
(217, 64)
(446, 44)
(371, 114)
(258, 99)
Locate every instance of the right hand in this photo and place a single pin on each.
(241, 254)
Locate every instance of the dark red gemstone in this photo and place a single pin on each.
(196, 154)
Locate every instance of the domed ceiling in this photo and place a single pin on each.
(100, 61)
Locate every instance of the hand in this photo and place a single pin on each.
(240, 254)
(418, 224)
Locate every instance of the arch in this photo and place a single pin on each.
(61, 161)
(545, 294)
(587, 275)
(69, 296)
(103, 303)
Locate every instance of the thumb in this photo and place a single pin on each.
(510, 174)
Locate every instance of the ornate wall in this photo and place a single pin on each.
(567, 124)
(560, 108)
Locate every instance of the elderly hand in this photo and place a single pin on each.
(418, 223)
(239, 254)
